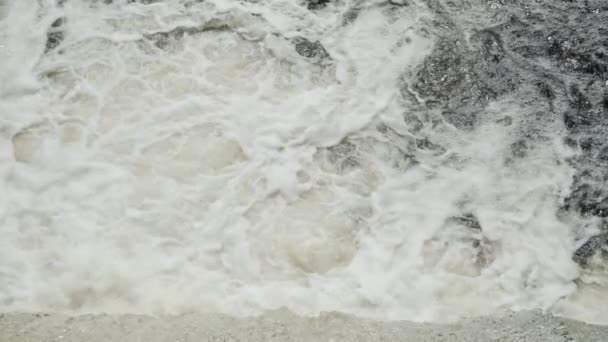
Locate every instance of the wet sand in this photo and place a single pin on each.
(285, 326)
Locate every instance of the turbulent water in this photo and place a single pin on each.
(411, 160)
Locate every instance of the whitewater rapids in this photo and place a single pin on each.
(183, 157)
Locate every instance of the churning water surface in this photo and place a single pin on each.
(210, 156)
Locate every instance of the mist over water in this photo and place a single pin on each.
(209, 156)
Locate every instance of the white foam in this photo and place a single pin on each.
(197, 176)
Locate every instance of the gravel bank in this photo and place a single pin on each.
(285, 326)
